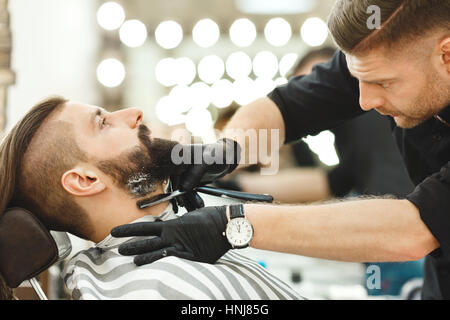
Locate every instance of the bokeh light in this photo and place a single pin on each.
(111, 72)
(287, 62)
(264, 86)
(110, 15)
(165, 72)
(199, 121)
(314, 32)
(222, 93)
(200, 95)
(167, 111)
(185, 71)
(243, 32)
(238, 65)
(169, 34)
(244, 91)
(133, 33)
(265, 64)
(278, 32)
(181, 95)
(211, 68)
(205, 33)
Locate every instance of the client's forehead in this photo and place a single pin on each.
(80, 115)
(76, 111)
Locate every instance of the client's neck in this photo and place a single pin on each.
(116, 208)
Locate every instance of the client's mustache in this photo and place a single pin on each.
(153, 163)
(144, 132)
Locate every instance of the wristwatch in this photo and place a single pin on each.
(239, 230)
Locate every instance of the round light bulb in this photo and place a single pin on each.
(169, 34)
(314, 32)
(278, 32)
(110, 15)
(265, 64)
(243, 32)
(111, 73)
(222, 93)
(244, 91)
(206, 33)
(287, 62)
(211, 68)
(199, 121)
(238, 65)
(185, 71)
(200, 95)
(133, 33)
(165, 72)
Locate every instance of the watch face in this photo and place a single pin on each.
(239, 232)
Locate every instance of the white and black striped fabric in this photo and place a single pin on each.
(102, 273)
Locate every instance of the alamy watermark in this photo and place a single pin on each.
(257, 147)
(373, 279)
(374, 20)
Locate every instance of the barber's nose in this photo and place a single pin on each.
(131, 116)
(369, 98)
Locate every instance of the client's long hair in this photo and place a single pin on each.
(33, 185)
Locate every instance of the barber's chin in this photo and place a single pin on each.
(407, 123)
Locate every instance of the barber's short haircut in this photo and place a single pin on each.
(33, 157)
(401, 21)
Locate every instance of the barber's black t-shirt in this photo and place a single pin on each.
(369, 160)
(330, 95)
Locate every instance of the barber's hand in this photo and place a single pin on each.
(217, 160)
(196, 236)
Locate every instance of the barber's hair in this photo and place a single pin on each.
(400, 20)
(33, 157)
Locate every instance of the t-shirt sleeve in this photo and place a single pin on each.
(432, 198)
(319, 101)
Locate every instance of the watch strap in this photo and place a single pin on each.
(237, 211)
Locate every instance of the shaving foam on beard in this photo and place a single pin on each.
(140, 184)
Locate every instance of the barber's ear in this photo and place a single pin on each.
(82, 182)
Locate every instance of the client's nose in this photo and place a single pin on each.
(131, 116)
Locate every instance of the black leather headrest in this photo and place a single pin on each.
(26, 246)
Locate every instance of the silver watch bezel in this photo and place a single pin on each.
(228, 231)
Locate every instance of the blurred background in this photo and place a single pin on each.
(184, 63)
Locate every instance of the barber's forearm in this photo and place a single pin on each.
(377, 230)
(292, 185)
(260, 119)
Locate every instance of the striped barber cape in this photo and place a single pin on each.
(102, 273)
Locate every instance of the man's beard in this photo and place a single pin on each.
(142, 170)
(434, 97)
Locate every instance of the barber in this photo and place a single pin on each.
(401, 69)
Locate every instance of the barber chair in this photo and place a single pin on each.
(27, 248)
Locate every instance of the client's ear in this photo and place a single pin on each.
(445, 51)
(82, 182)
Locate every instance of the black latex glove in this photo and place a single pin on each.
(196, 236)
(190, 200)
(208, 170)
